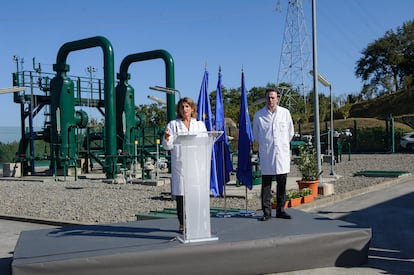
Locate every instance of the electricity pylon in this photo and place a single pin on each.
(295, 58)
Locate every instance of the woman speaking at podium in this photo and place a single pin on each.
(185, 123)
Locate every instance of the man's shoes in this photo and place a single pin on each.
(265, 218)
(283, 215)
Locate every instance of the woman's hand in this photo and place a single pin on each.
(167, 134)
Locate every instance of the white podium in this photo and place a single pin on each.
(196, 152)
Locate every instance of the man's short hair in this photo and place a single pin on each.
(268, 90)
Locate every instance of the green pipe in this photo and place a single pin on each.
(62, 118)
(169, 73)
(109, 90)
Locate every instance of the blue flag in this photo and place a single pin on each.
(204, 114)
(203, 104)
(221, 147)
(244, 162)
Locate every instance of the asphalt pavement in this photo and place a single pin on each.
(387, 209)
(9, 234)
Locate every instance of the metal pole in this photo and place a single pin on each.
(224, 214)
(135, 156)
(31, 130)
(392, 134)
(332, 132)
(315, 90)
(158, 158)
(91, 70)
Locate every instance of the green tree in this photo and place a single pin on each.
(8, 151)
(407, 38)
(386, 65)
(155, 114)
(95, 125)
(344, 110)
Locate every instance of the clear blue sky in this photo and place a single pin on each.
(198, 34)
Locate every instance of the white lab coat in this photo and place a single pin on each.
(273, 132)
(177, 127)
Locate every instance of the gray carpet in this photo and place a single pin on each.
(244, 246)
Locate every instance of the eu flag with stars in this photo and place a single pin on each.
(244, 162)
(204, 114)
(221, 147)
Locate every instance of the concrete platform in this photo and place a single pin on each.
(244, 246)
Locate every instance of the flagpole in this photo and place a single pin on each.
(248, 159)
(247, 212)
(246, 201)
(221, 127)
(251, 145)
(224, 214)
(245, 190)
(224, 176)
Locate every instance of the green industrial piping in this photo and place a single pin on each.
(169, 73)
(109, 90)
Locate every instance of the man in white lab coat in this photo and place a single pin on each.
(273, 130)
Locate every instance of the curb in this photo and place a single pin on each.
(39, 220)
(340, 197)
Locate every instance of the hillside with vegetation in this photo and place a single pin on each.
(351, 123)
(400, 105)
(397, 104)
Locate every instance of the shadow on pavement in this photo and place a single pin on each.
(5, 266)
(392, 224)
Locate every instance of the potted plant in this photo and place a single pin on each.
(308, 167)
(294, 198)
(274, 199)
(274, 203)
(306, 194)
